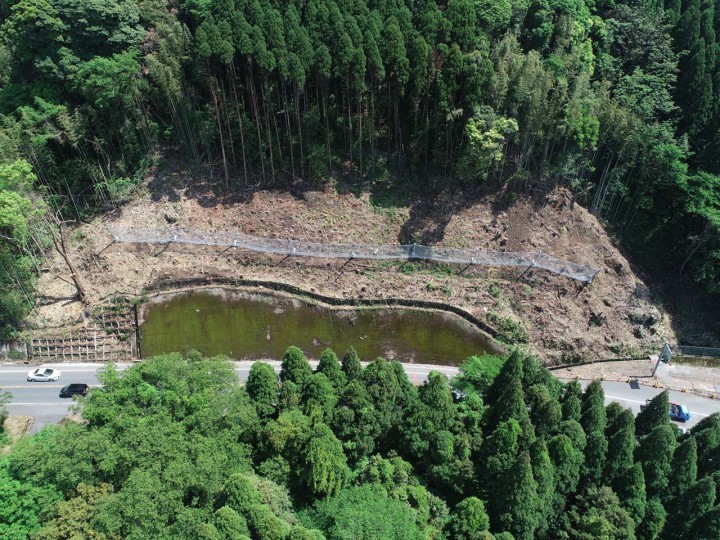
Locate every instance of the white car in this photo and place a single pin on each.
(42, 374)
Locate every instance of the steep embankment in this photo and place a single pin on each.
(565, 321)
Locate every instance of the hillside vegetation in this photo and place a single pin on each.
(617, 101)
(175, 449)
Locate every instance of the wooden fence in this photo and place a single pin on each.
(82, 346)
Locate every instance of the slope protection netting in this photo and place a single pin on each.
(300, 248)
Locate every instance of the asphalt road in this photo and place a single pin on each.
(42, 400)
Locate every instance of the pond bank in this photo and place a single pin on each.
(262, 321)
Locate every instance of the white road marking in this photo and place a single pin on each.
(31, 386)
(61, 370)
(625, 399)
(33, 404)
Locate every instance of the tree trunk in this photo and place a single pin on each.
(220, 130)
(60, 243)
(256, 114)
(296, 93)
(240, 122)
(287, 128)
(360, 137)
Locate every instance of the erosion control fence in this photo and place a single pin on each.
(299, 248)
(702, 352)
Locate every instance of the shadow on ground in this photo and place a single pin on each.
(205, 183)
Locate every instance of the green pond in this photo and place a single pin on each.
(253, 326)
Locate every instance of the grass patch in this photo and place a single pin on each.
(508, 330)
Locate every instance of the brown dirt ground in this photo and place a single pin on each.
(699, 379)
(15, 426)
(613, 317)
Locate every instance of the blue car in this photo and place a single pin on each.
(679, 413)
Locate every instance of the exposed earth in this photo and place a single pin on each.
(565, 321)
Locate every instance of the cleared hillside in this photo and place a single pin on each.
(564, 320)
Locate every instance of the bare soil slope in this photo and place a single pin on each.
(565, 321)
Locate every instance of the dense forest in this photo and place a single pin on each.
(175, 448)
(617, 100)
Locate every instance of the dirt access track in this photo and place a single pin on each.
(563, 320)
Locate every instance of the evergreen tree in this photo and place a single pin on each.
(240, 494)
(594, 422)
(324, 470)
(264, 525)
(468, 520)
(653, 522)
(318, 397)
(598, 514)
(630, 489)
(707, 435)
(544, 475)
(408, 392)
(263, 388)
(510, 372)
(208, 531)
(595, 457)
(230, 524)
(623, 420)
(571, 406)
(684, 470)
(351, 366)
(655, 414)
(511, 404)
(593, 417)
(708, 526)
(330, 367)
(290, 396)
(435, 394)
(387, 397)
(621, 449)
(655, 454)
(567, 461)
(691, 506)
(516, 505)
(545, 410)
(295, 367)
(573, 431)
(354, 421)
(612, 412)
(572, 388)
(497, 455)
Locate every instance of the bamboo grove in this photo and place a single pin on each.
(620, 101)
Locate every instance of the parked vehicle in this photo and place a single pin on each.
(679, 413)
(42, 374)
(74, 389)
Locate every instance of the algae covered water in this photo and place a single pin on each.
(252, 326)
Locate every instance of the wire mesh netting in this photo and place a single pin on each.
(689, 350)
(301, 248)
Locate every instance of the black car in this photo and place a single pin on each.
(74, 389)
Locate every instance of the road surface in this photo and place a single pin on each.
(42, 400)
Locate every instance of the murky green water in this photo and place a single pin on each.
(252, 326)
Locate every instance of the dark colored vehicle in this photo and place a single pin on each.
(74, 389)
